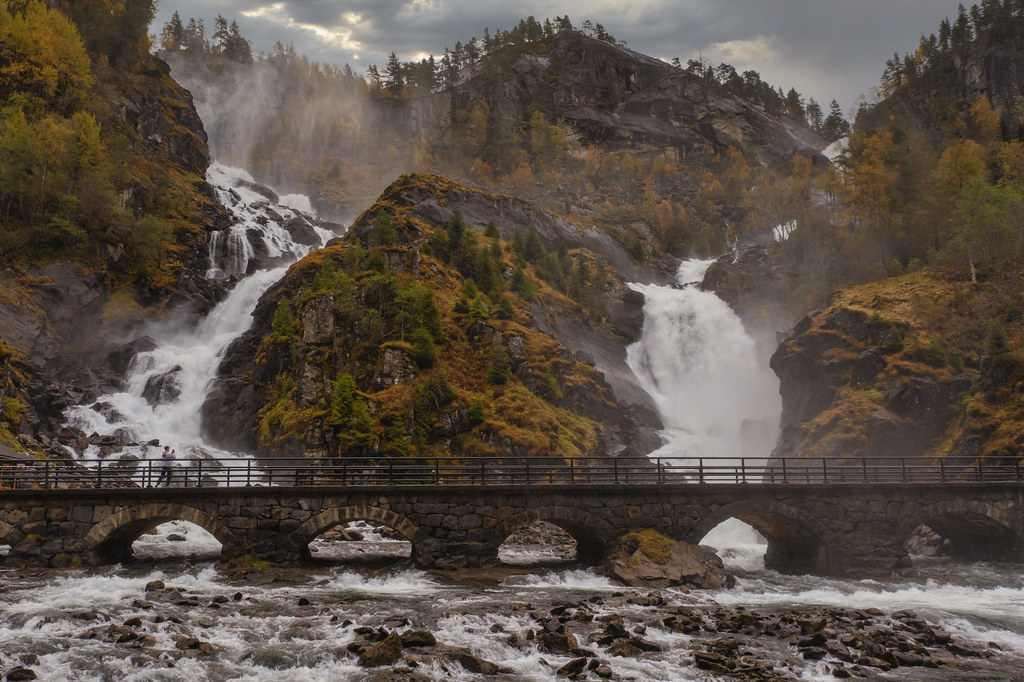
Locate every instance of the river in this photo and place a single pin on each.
(716, 398)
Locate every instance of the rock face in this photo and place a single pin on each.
(274, 388)
(163, 388)
(649, 559)
(70, 330)
(622, 99)
(902, 368)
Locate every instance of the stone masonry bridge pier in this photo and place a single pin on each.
(818, 528)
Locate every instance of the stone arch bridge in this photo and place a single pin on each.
(819, 528)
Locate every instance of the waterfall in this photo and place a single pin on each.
(700, 366)
(165, 388)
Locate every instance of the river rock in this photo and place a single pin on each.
(20, 673)
(385, 652)
(477, 665)
(418, 638)
(649, 559)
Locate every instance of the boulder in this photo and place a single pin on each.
(302, 231)
(649, 559)
(384, 652)
(163, 388)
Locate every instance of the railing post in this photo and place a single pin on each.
(661, 472)
(942, 469)
(615, 468)
(743, 469)
(700, 470)
(297, 470)
(903, 468)
(527, 471)
(483, 473)
(981, 471)
(437, 471)
(785, 474)
(344, 471)
(199, 473)
(227, 476)
(248, 472)
(864, 467)
(572, 470)
(391, 470)
(99, 474)
(46, 474)
(824, 469)
(1017, 467)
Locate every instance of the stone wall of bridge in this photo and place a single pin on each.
(848, 530)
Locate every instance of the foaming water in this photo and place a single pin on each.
(263, 632)
(741, 547)
(701, 368)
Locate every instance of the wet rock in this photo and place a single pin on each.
(573, 667)
(384, 652)
(20, 673)
(303, 601)
(176, 537)
(192, 644)
(708, 660)
(133, 622)
(558, 641)
(163, 388)
(477, 665)
(302, 231)
(649, 559)
(418, 638)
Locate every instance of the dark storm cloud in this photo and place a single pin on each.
(825, 48)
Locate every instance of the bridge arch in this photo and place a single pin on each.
(334, 516)
(590, 532)
(976, 529)
(795, 539)
(112, 537)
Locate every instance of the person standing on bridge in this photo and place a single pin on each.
(166, 465)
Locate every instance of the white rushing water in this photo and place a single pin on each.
(186, 356)
(696, 360)
(701, 367)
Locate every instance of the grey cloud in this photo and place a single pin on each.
(825, 48)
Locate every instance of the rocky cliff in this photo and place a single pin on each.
(622, 99)
(415, 335)
(927, 364)
(126, 241)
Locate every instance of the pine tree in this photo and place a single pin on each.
(172, 38)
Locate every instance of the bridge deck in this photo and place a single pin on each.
(639, 471)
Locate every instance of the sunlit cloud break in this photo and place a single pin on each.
(331, 36)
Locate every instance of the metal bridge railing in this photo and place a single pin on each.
(534, 471)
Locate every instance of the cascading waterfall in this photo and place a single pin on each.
(700, 366)
(165, 388)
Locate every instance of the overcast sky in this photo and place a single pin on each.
(825, 48)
